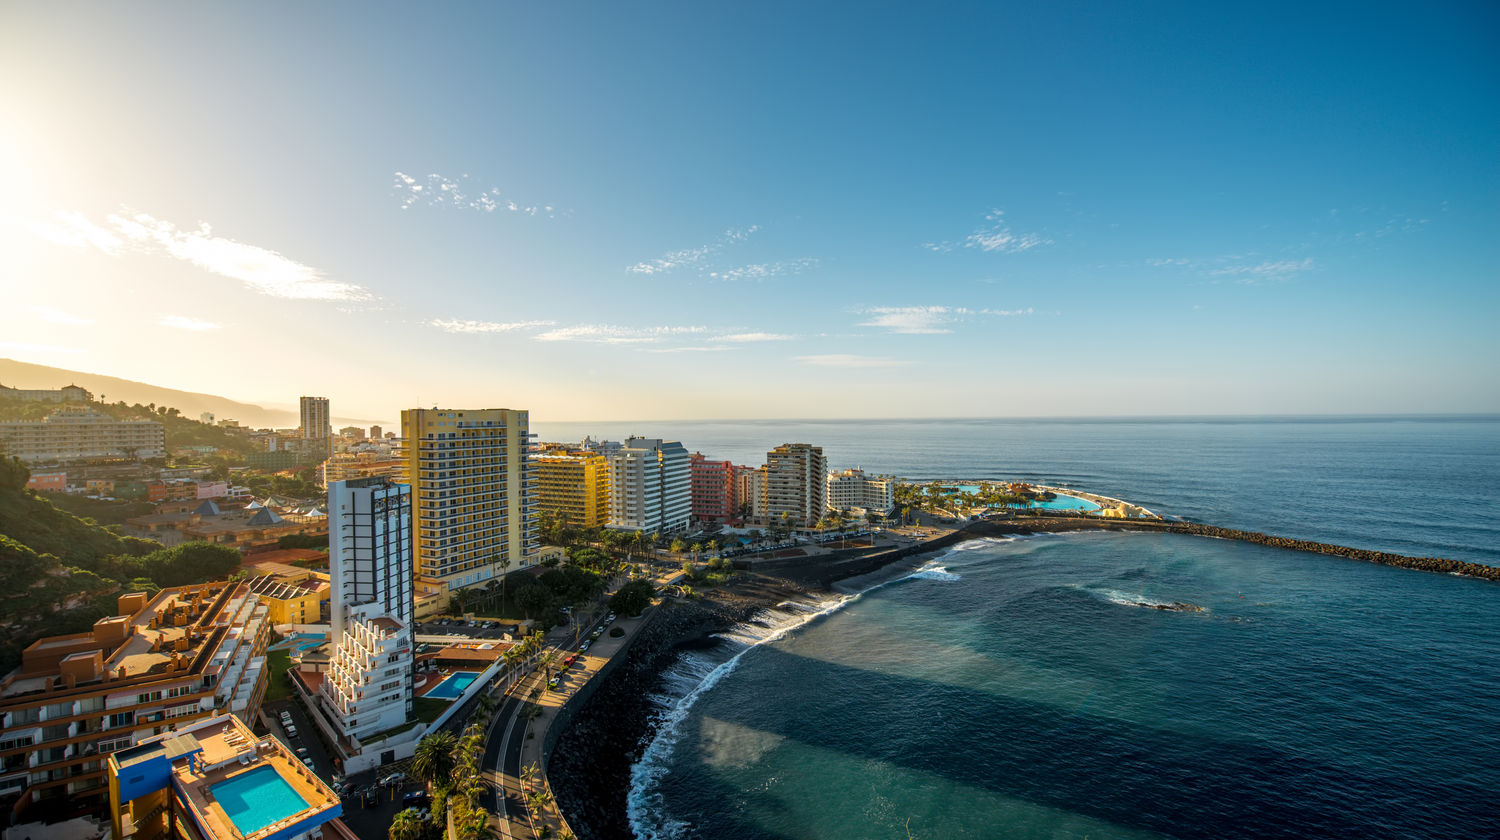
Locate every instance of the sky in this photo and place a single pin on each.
(611, 211)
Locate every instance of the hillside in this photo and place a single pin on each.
(59, 573)
(111, 389)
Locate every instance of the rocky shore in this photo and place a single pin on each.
(590, 769)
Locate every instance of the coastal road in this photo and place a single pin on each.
(502, 755)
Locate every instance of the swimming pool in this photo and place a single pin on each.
(257, 798)
(1066, 503)
(454, 685)
(1060, 503)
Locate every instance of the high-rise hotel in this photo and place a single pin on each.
(367, 688)
(472, 499)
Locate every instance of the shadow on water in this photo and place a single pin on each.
(1129, 774)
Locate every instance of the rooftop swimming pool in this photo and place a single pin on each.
(257, 798)
(453, 685)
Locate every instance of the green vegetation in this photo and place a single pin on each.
(450, 766)
(280, 685)
(303, 541)
(633, 598)
(427, 710)
(59, 573)
(102, 511)
(936, 499)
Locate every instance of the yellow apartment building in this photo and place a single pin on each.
(472, 499)
(573, 483)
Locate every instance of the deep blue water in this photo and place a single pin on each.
(1426, 487)
(1019, 688)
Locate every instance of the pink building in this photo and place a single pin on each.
(713, 495)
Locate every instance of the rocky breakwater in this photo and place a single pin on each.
(1426, 564)
(1027, 524)
(589, 769)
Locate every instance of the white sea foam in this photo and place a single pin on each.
(932, 571)
(693, 675)
(1127, 599)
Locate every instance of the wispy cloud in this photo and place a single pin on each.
(455, 325)
(435, 190)
(611, 334)
(262, 269)
(182, 322)
(927, 320)
(73, 230)
(994, 236)
(763, 271)
(700, 258)
(849, 360)
(751, 337)
(671, 260)
(1247, 269)
(685, 349)
(1263, 271)
(57, 316)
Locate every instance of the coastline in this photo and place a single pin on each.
(590, 771)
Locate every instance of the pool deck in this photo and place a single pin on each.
(227, 754)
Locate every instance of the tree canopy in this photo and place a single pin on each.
(633, 598)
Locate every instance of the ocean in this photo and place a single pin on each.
(1029, 687)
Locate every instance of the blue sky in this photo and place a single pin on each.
(637, 211)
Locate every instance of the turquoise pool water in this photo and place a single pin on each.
(255, 799)
(1066, 503)
(454, 685)
(1060, 503)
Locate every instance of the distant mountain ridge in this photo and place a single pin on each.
(25, 375)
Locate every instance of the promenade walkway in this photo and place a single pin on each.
(517, 736)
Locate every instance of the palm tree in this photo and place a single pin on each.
(547, 661)
(433, 761)
(405, 826)
(504, 564)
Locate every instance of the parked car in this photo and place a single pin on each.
(309, 763)
(394, 779)
(291, 731)
(415, 797)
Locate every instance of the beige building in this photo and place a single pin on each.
(854, 490)
(796, 483)
(65, 394)
(750, 490)
(81, 434)
(473, 502)
(573, 483)
(185, 653)
(344, 466)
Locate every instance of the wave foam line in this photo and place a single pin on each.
(643, 805)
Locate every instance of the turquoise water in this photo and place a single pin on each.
(1029, 688)
(1061, 502)
(1065, 503)
(454, 685)
(257, 798)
